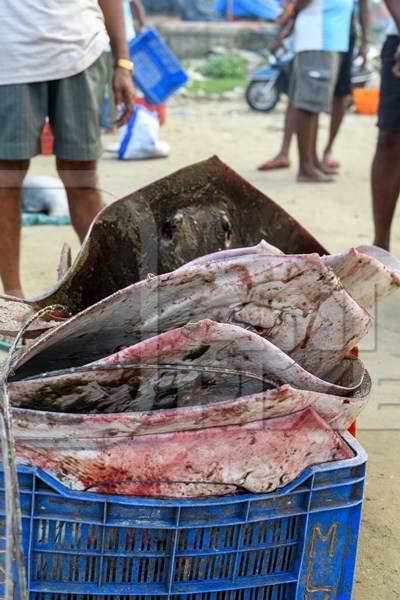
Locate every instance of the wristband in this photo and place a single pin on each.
(124, 63)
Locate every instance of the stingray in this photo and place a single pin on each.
(256, 457)
(198, 364)
(203, 208)
(295, 302)
(368, 273)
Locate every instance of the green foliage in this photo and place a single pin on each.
(226, 66)
(214, 87)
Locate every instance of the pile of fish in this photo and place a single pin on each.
(231, 372)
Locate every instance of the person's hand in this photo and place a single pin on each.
(396, 68)
(276, 44)
(363, 53)
(124, 92)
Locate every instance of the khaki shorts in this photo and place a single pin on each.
(73, 105)
(313, 82)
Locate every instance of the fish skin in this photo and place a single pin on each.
(337, 411)
(204, 345)
(295, 302)
(267, 455)
(368, 273)
(14, 313)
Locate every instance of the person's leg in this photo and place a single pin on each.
(12, 174)
(385, 168)
(306, 127)
(341, 97)
(75, 116)
(24, 108)
(282, 160)
(339, 109)
(312, 95)
(84, 198)
(385, 185)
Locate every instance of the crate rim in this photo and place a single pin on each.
(359, 459)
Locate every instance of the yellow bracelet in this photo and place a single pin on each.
(124, 63)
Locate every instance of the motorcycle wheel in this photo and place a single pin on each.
(262, 96)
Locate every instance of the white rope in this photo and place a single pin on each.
(14, 540)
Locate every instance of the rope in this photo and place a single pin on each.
(14, 541)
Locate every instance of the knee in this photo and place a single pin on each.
(13, 172)
(79, 174)
(389, 142)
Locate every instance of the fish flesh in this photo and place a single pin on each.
(296, 302)
(339, 412)
(185, 366)
(257, 457)
(368, 273)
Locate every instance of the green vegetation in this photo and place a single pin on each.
(212, 87)
(220, 75)
(226, 66)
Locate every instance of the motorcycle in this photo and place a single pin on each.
(270, 81)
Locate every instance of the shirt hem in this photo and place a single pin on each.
(87, 61)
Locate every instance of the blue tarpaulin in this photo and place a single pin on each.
(261, 9)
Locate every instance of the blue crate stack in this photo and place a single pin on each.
(296, 544)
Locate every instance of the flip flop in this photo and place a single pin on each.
(272, 165)
(331, 164)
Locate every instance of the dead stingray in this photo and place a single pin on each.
(257, 457)
(203, 208)
(185, 368)
(368, 273)
(338, 411)
(295, 302)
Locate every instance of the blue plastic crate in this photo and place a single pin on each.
(298, 543)
(157, 71)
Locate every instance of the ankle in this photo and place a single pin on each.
(14, 292)
(383, 243)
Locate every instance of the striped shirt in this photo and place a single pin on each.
(324, 25)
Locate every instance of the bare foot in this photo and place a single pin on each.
(384, 244)
(313, 175)
(14, 293)
(279, 162)
(329, 162)
(323, 168)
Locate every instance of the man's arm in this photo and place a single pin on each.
(300, 5)
(394, 9)
(365, 24)
(139, 12)
(124, 91)
(286, 22)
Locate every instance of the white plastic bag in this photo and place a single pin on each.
(139, 139)
(44, 194)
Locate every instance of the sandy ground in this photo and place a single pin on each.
(338, 215)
